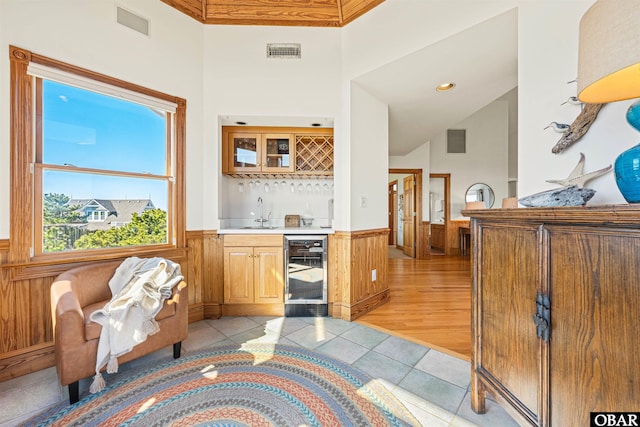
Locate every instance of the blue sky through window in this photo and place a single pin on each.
(91, 130)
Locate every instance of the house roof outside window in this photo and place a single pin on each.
(117, 212)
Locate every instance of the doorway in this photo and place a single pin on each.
(409, 216)
(393, 212)
(405, 213)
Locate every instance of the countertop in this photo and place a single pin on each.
(277, 230)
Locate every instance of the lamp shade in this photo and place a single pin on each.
(609, 52)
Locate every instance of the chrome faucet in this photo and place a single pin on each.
(262, 219)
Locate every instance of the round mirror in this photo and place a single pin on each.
(480, 192)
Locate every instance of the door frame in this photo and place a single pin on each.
(393, 213)
(420, 245)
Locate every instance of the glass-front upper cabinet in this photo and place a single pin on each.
(278, 153)
(258, 153)
(244, 152)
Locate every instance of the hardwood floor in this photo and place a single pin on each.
(430, 304)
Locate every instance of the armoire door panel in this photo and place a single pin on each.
(509, 279)
(595, 322)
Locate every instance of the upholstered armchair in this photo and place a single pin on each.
(77, 293)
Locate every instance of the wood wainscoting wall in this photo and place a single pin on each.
(422, 239)
(353, 256)
(454, 235)
(205, 269)
(26, 333)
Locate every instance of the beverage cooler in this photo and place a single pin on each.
(305, 293)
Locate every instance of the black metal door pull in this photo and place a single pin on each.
(542, 318)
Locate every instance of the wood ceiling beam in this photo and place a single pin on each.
(352, 9)
(192, 8)
(316, 13)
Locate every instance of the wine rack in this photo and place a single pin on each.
(314, 154)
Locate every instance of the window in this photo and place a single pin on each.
(104, 170)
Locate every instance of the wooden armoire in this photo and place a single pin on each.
(556, 312)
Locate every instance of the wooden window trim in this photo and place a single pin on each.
(24, 119)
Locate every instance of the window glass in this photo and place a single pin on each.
(104, 172)
(92, 130)
(102, 211)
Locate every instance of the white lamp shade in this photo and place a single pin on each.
(609, 52)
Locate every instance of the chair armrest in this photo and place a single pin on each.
(67, 314)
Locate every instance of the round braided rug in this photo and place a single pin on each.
(258, 385)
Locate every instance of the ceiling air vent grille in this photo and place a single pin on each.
(456, 141)
(284, 50)
(131, 20)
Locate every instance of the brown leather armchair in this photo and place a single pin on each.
(77, 293)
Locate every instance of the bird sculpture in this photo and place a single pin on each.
(558, 127)
(578, 177)
(578, 128)
(573, 100)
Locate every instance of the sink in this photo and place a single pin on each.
(257, 227)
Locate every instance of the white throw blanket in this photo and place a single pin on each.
(139, 288)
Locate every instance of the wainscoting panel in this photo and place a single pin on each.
(213, 274)
(26, 330)
(422, 247)
(355, 254)
(26, 333)
(454, 235)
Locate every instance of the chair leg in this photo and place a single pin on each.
(74, 392)
(177, 348)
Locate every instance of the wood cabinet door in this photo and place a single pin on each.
(506, 352)
(244, 151)
(269, 271)
(595, 322)
(238, 275)
(278, 153)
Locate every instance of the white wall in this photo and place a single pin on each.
(4, 124)
(547, 45)
(240, 80)
(547, 61)
(397, 28)
(486, 159)
(222, 70)
(369, 161)
(85, 34)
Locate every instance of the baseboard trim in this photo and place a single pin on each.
(351, 313)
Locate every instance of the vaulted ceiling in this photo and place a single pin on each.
(482, 61)
(312, 13)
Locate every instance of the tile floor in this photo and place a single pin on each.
(432, 385)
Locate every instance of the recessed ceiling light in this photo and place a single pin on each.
(241, 123)
(316, 124)
(445, 87)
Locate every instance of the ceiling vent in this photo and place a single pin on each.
(284, 50)
(456, 141)
(131, 20)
